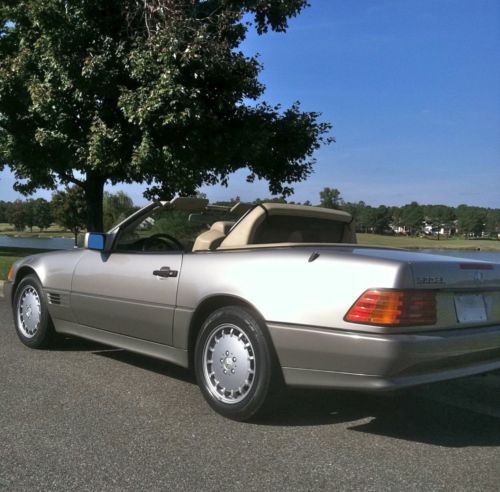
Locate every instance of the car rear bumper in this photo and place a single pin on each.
(316, 357)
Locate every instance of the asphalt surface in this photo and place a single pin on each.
(86, 417)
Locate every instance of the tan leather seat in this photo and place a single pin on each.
(211, 239)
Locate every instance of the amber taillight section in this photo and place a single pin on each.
(386, 307)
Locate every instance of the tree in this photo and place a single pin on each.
(29, 214)
(69, 209)
(471, 220)
(151, 91)
(3, 210)
(330, 198)
(381, 219)
(373, 219)
(42, 213)
(16, 215)
(493, 222)
(357, 212)
(397, 217)
(116, 207)
(412, 217)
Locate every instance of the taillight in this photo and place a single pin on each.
(386, 307)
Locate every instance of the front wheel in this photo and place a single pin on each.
(33, 324)
(234, 363)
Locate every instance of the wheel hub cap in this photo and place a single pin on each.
(229, 363)
(28, 312)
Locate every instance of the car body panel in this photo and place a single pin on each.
(55, 271)
(283, 285)
(371, 361)
(119, 293)
(145, 347)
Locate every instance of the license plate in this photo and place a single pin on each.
(470, 308)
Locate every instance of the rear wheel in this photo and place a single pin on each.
(31, 317)
(234, 363)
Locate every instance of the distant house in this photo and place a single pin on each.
(440, 230)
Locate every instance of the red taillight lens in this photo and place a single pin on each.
(394, 308)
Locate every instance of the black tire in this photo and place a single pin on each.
(34, 327)
(244, 349)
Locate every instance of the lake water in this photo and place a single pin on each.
(493, 256)
(61, 243)
(35, 243)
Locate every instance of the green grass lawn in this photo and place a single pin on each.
(10, 255)
(5, 262)
(425, 243)
(52, 231)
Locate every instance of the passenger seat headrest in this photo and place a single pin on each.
(223, 226)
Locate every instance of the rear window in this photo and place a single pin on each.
(290, 229)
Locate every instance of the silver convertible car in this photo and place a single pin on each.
(256, 297)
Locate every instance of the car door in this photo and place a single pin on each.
(131, 290)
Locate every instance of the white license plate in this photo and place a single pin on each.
(470, 308)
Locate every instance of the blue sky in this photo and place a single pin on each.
(412, 89)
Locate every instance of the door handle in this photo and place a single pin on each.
(165, 272)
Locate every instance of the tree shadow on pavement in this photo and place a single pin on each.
(435, 423)
(70, 344)
(407, 415)
(411, 415)
(149, 363)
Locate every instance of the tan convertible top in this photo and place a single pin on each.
(243, 233)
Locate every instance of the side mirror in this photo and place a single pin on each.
(95, 240)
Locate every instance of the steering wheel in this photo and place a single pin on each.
(161, 242)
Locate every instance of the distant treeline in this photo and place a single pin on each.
(67, 209)
(412, 218)
(415, 219)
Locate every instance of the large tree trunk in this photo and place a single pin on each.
(94, 192)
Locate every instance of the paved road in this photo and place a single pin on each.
(86, 417)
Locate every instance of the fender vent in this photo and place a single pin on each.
(54, 298)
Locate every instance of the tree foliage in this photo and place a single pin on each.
(412, 217)
(16, 215)
(29, 214)
(152, 91)
(440, 215)
(330, 198)
(116, 207)
(471, 220)
(3, 210)
(492, 222)
(69, 208)
(42, 212)
(368, 218)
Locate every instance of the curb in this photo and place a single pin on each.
(1, 288)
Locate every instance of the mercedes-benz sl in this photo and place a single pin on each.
(256, 297)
